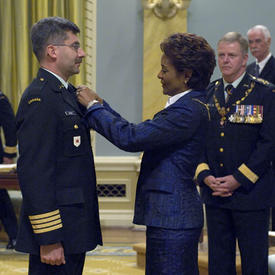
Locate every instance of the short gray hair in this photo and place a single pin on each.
(49, 30)
(263, 29)
(232, 37)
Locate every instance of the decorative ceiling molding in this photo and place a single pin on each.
(166, 9)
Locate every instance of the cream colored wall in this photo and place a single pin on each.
(117, 170)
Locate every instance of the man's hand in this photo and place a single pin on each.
(52, 254)
(211, 182)
(86, 95)
(216, 186)
(7, 160)
(227, 186)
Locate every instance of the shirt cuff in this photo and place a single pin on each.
(91, 103)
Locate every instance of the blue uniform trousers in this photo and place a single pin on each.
(250, 228)
(7, 214)
(172, 252)
(74, 266)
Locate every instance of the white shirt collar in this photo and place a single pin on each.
(66, 84)
(171, 100)
(234, 83)
(263, 62)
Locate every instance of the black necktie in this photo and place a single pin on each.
(257, 70)
(72, 89)
(229, 89)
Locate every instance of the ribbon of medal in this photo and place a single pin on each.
(224, 111)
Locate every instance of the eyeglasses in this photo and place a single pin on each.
(74, 46)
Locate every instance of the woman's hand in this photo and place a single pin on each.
(86, 95)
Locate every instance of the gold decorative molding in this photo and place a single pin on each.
(90, 49)
(165, 9)
(90, 43)
(155, 30)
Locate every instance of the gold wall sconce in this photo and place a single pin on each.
(166, 8)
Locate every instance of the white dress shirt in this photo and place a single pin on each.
(173, 99)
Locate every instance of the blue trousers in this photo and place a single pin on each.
(172, 252)
(7, 214)
(249, 228)
(74, 266)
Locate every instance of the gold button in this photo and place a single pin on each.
(222, 134)
(76, 126)
(221, 164)
(221, 150)
(41, 79)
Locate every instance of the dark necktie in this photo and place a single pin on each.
(257, 70)
(72, 89)
(229, 89)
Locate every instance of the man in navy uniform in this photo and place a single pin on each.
(59, 219)
(235, 171)
(7, 155)
(259, 40)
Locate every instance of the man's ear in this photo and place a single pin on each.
(269, 41)
(51, 51)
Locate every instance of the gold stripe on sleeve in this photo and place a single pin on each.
(248, 173)
(55, 217)
(44, 225)
(44, 230)
(45, 215)
(10, 149)
(201, 167)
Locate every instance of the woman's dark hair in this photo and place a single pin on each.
(189, 52)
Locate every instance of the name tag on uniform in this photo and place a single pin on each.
(77, 141)
(70, 113)
(252, 114)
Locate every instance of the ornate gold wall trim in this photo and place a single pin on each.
(90, 49)
(90, 43)
(155, 30)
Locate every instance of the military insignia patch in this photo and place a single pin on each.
(248, 114)
(77, 141)
(36, 99)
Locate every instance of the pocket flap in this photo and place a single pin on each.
(70, 196)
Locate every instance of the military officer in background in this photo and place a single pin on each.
(234, 173)
(259, 40)
(59, 219)
(7, 155)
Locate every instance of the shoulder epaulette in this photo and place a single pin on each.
(260, 80)
(213, 84)
(2, 96)
(39, 82)
(264, 82)
(205, 105)
(35, 94)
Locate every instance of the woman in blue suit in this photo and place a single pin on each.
(167, 200)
